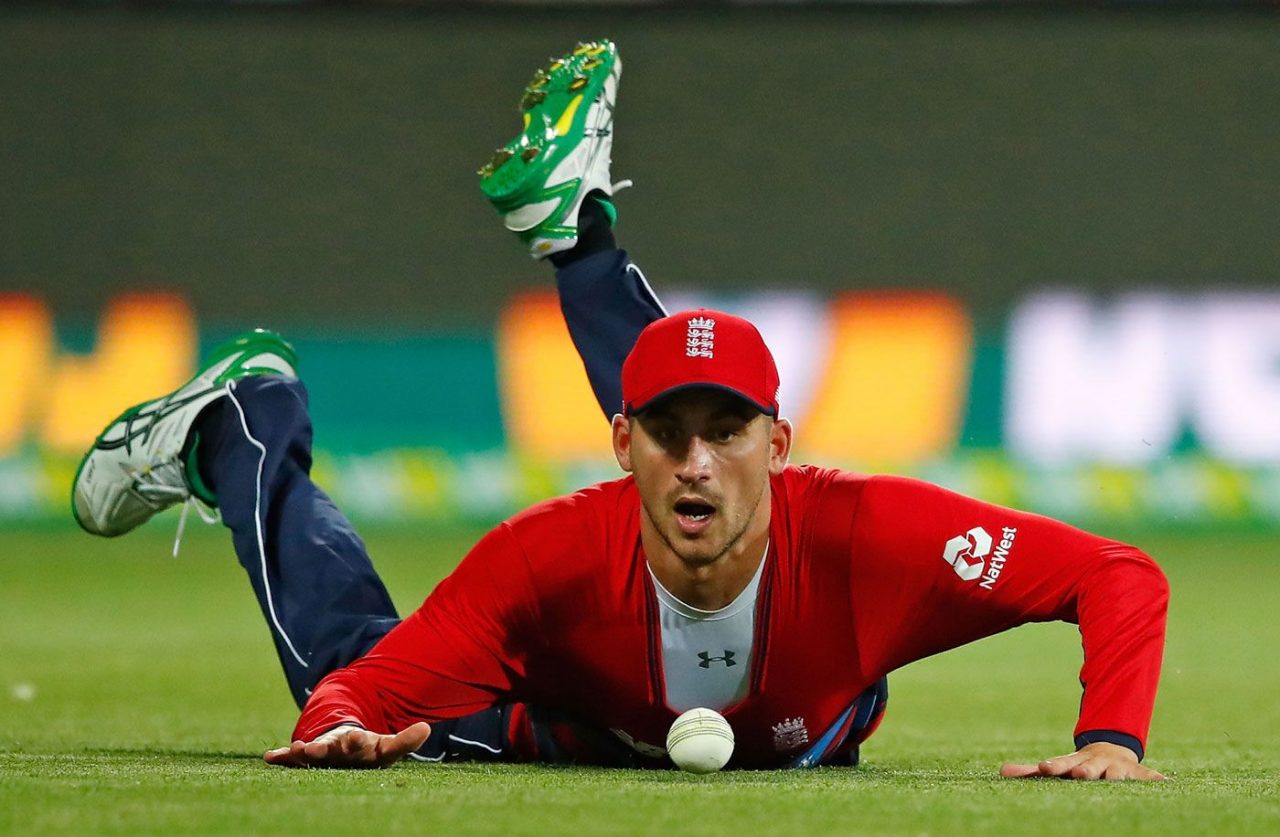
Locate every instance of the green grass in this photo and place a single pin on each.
(139, 691)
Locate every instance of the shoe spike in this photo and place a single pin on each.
(499, 157)
(532, 98)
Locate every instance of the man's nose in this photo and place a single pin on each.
(696, 466)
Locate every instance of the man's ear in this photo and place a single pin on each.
(780, 436)
(622, 441)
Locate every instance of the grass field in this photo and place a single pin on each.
(139, 692)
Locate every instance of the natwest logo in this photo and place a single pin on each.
(965, 552)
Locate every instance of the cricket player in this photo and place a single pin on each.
(714, 574)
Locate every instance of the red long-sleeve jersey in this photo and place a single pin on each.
(555, 607)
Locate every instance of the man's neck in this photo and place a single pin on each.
(713, 585)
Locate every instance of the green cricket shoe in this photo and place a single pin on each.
(135, 467)
(539, 180)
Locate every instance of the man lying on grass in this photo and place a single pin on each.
(714, 575)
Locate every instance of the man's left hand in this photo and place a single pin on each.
(1099, 760)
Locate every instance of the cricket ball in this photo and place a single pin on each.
(700, 741)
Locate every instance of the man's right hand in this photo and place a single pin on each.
(351, 746)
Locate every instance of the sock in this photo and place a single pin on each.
(193, 452)
(595, 230)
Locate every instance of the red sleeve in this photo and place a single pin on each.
(934, 570)
(463, 650)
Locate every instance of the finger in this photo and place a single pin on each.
(285, 756)
(318, 751)
(1089, 770)
(279, 755)
(1012, 770)
(392, 748)
(1137, 772)
(415, 736)
(350, 744)
(362, 748)
(1061, 765)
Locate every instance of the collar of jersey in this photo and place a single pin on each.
(747, 598)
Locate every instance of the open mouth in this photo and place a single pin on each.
(693, 515)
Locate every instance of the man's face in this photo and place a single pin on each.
(701, 460)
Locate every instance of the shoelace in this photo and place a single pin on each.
(164, 483)
(620, 185)
(210, 517)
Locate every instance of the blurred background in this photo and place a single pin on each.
(1029, 252)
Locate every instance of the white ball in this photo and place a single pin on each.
(700, 741)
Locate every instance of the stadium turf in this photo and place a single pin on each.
(139, 691)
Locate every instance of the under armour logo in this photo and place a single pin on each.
(707, 659)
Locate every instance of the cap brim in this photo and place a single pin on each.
(636, 409)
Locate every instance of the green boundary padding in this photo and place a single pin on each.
(370, 393)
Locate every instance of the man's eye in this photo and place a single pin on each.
(723, 436)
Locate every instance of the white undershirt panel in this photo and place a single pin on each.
(706, 654)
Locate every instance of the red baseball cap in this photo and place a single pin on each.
(700, 348)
